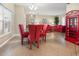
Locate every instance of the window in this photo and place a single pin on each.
(44, 21)
(5, 20)
(1, 20)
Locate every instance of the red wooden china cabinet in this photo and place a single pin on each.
(72, 26)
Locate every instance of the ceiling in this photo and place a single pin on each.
(47, 8)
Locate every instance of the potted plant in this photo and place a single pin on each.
(56, 20)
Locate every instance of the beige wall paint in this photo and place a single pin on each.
(72, 6)
(20, 17)
(10, 6)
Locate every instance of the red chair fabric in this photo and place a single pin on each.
(35, 32)
(44, 31)
(64, 29)
(39, 29)
(58, 28)
(49, 28)
(32, 34)
(22, 33)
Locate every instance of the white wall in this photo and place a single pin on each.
(72, 6)
(62, 20)
(50, 19)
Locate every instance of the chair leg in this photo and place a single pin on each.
(22, 41)
(45, 38)
(37, 43)
(30, 44)
(28, 41)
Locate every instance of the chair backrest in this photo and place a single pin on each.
(32, 34)
(39, 29)
(21, 28)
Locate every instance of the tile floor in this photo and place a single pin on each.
(54, 46)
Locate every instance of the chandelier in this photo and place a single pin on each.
(33, 9)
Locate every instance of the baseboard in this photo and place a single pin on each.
(1, 36)
(6, 41)
(14, 35)
(17, 35)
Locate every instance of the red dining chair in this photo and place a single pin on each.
(60, 28)
(44, 31)
(50, 28)
(22, 33)
(32, 35)
(55, 28)
(39, 29)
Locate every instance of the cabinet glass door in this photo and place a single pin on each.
(72, 27)
(73, 22)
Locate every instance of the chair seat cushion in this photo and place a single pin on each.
(25, 34)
